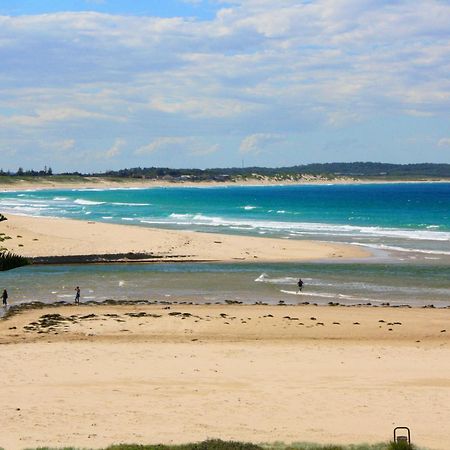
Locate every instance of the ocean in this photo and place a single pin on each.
(405, 225)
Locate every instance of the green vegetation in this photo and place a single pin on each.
(11, 178)
(9, 260)
(327, 171)
(217, 444)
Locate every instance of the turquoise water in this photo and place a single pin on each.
(408, 218)
(406, 225)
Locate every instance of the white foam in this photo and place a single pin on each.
(402, 249)
(336, 296)
(80, 201)
(309, 294)
(109, 189)
(264, 278)
(130, 204)
(308, 228)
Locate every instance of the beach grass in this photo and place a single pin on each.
(9, 260)
(217, 444)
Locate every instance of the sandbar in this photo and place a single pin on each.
(43, 237)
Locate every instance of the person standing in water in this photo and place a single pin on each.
(5, 297)
(77, 295)
(300, 284)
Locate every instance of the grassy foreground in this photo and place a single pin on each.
(230, 445)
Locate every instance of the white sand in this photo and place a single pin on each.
(33, 236)
(246, 375)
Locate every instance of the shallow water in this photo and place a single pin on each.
(406, 225)
(345, 283)
(410, 221)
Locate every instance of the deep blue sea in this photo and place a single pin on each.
(406, 225)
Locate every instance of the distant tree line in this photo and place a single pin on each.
(328, 170)
(28, 173)
(376, 169)
(354, 169)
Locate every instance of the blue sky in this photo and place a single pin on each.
(201, 9)
(94, 85)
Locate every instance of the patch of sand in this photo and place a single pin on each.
(96, 375)
(43, 237)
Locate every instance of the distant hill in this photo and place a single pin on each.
(374, 169)
(327, 170)
(353, 170)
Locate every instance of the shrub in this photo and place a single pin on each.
(9, 260)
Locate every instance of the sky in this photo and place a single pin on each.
(94, 85)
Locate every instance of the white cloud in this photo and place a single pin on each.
(259, 65)
(162, 143)
(115, 149)
(257, 143)
(204, 150)
(45, 116)
(188, 145)
(60, 145)
(444, 142)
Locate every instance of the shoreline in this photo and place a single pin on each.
(15, 309)
(255, 373)
(307, 321)
(104, 183)
(58, 238)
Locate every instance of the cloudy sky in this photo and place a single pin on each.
(105, 84)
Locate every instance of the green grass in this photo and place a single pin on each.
(217, 444)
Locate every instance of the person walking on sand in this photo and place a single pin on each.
(77, 295)
(5, 297)
(300, 284)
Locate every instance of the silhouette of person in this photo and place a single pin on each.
(300, 284)
(77, 295)
(5, 297)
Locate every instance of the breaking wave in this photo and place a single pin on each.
(80, 201)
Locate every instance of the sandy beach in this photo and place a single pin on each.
(133, 183)
(93, 375)
(90, 376)
(51, 237)
(138, 183)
